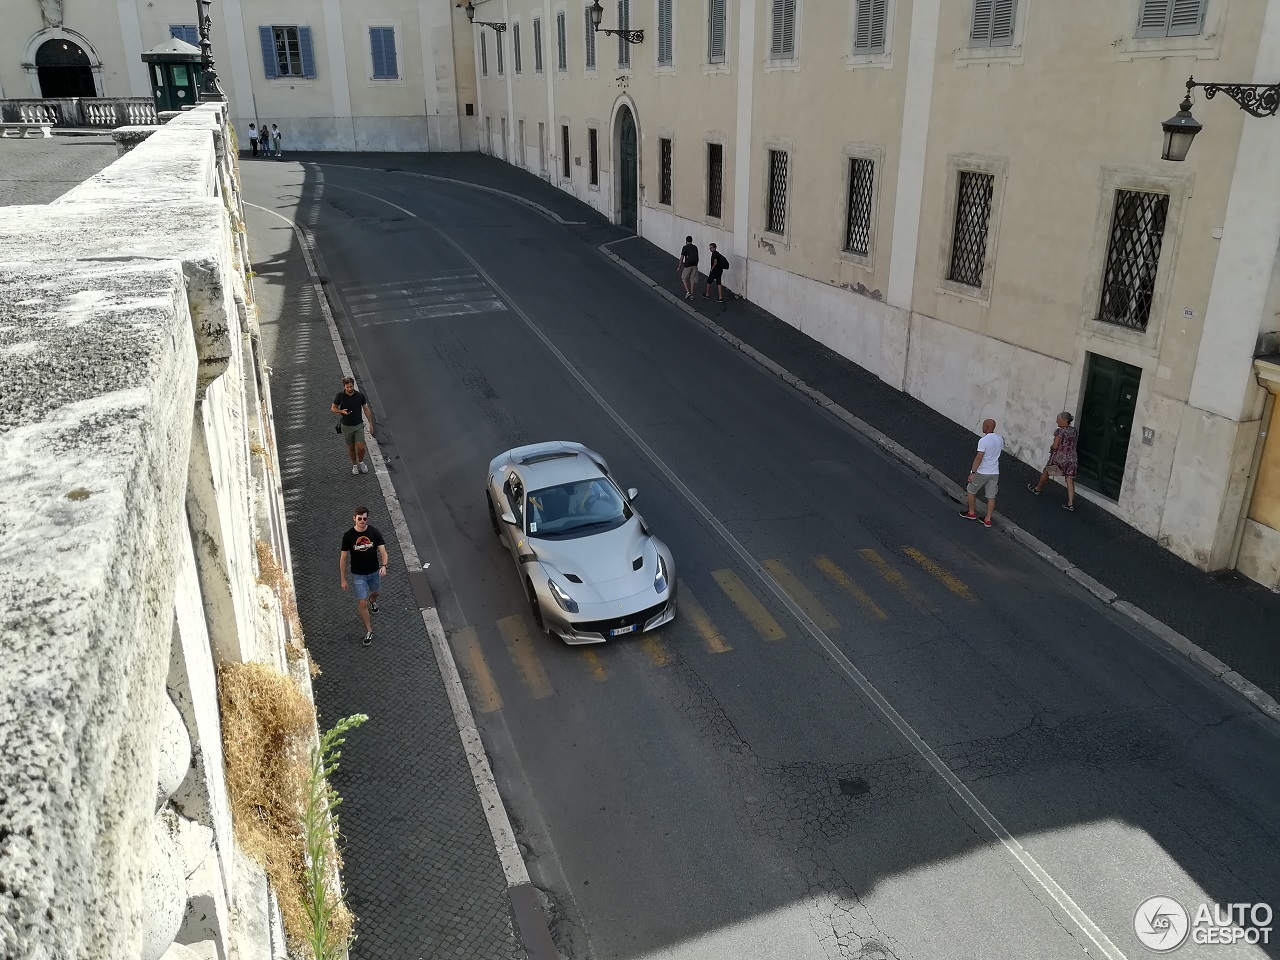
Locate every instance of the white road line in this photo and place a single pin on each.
(504, 837)
(444, 310)
(1011, 844)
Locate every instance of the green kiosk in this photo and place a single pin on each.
(175, 74)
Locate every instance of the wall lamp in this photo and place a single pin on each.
(471, 18)
(1256, 99)
(631, 36)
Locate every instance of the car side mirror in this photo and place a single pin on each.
(509, 517)
(632, 493)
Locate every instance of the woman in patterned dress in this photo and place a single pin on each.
(1062, 460)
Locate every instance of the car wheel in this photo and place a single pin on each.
(535, 608)
(493, 516)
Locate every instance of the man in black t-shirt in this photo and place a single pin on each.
(368, 553)
(353, 407)
(715, 271)
(688, 268)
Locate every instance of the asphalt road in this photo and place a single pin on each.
(875, 730)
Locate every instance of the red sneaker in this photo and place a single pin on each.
(968, 516)
(986, 522)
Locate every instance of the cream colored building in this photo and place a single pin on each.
(368, 75)
(965, 197)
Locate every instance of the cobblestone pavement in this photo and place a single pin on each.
(421, 871)
(38, 171)
(1226, 614)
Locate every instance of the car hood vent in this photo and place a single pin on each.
(637, 563)
(573, 578)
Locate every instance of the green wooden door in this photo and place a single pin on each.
(627, 179)
(1106, 418)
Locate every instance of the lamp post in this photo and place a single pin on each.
(471, 18)
(1255, 99)
(210, 89)
(631, 36)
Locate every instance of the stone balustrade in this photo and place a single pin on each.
(107, 113)
(140, 480)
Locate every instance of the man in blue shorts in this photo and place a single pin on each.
(368, 553)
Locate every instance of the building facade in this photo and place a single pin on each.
(967, 199)
(374, 75)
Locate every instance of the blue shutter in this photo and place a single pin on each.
(304, 48)
(268, 53)
(382, 43)
(389, 51)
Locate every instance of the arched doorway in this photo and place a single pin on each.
(628, 169)
(64, 70)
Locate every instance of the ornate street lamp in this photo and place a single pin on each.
(631, 36)
(1256, 99)
(471, 18)
(210, 88)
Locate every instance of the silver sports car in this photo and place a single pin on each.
(591, 569)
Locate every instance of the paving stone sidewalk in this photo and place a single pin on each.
(421, 871)
(1226, 614)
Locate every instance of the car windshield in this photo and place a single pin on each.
(574, 509)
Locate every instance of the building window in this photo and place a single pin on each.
(515, 46)
(992, 24)
(562, 47)
(664, 171)
(564, 151)
(664, 33)
(484, 55)
(537, 45)
(1170, 18)
(868, 29)
(497, 49)
(973, 217)
(776, 202)
(1133, 256)
(185, 31)
(382, 46)
(287, 52)
(857, 232)
(593, 156)
(715, 31)
(715, 180)
(488, 132)
(624, 24)
(589, 38)
(782, 30)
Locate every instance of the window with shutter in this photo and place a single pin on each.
(715, 31)
(305, 52)
(484, 55)
(565, 170)
(185, 31)
(1171, 18)
(624, 24)
(497, 49)
(562, 49)
(868, 31)
(782, 30)
(382, 45)
(515, 46)
(287, 51)
(593, 156)
(270, 66)
(993, 23)
(664, 32)
(590, 34)
(537, 45)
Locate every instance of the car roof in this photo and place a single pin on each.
(551, 463)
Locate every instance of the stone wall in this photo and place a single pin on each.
(137, 459)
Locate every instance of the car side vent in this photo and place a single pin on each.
(573, 578)
(637, 563)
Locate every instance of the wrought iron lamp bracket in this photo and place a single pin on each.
(1256, 99)
(631, 36)
(497, 27)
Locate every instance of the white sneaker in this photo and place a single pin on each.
(364, 467)
(354, 470)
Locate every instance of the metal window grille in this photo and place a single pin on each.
(664, 32)
(593, 155)
(515, 46)
(488, 132)
(715, 180)
(484, 55)
(1170, 18)
(537, 45)
(590, 36)
(497, 49)
(992, 24)
(715, 31)
(776, 211)
(1133, 256)
(523, 149)
(564, 152)
(562, 45)
(664, 171)
(857, 233)
(973, 215)
(868, 35)
(782, 35)
(624, 24)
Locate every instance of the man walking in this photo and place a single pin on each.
(715, 271)
(353, 407)
(985, 472)
(688, 268)
(368, 553)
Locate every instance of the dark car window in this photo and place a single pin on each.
(514, 491)
(576, 509)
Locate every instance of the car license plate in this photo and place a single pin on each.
(621, 630)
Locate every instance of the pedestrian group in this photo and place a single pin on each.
(687, 270)
(268, 138)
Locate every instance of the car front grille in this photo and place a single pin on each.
(615, 623)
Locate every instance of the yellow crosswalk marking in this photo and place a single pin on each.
(516, 635)
(944, 576)
(747, 603)
(655, 651)
(594, 664)
(897, 579)
(848, 584)
(487, 699)
(801, 594)
(691, 608)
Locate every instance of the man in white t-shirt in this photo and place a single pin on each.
(985, 472)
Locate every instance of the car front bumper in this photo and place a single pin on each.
(596, 623)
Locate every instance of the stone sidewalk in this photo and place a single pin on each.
(421, 871)
(1227, 615)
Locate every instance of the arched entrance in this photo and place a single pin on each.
(64, 70)
(628, 178)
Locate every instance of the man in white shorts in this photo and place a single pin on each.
(985, 472)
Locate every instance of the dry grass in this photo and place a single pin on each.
(272, 575)
(257, 449)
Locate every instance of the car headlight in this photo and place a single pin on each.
(660, 578)
(567, 603)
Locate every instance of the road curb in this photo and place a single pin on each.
(1256, 697)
